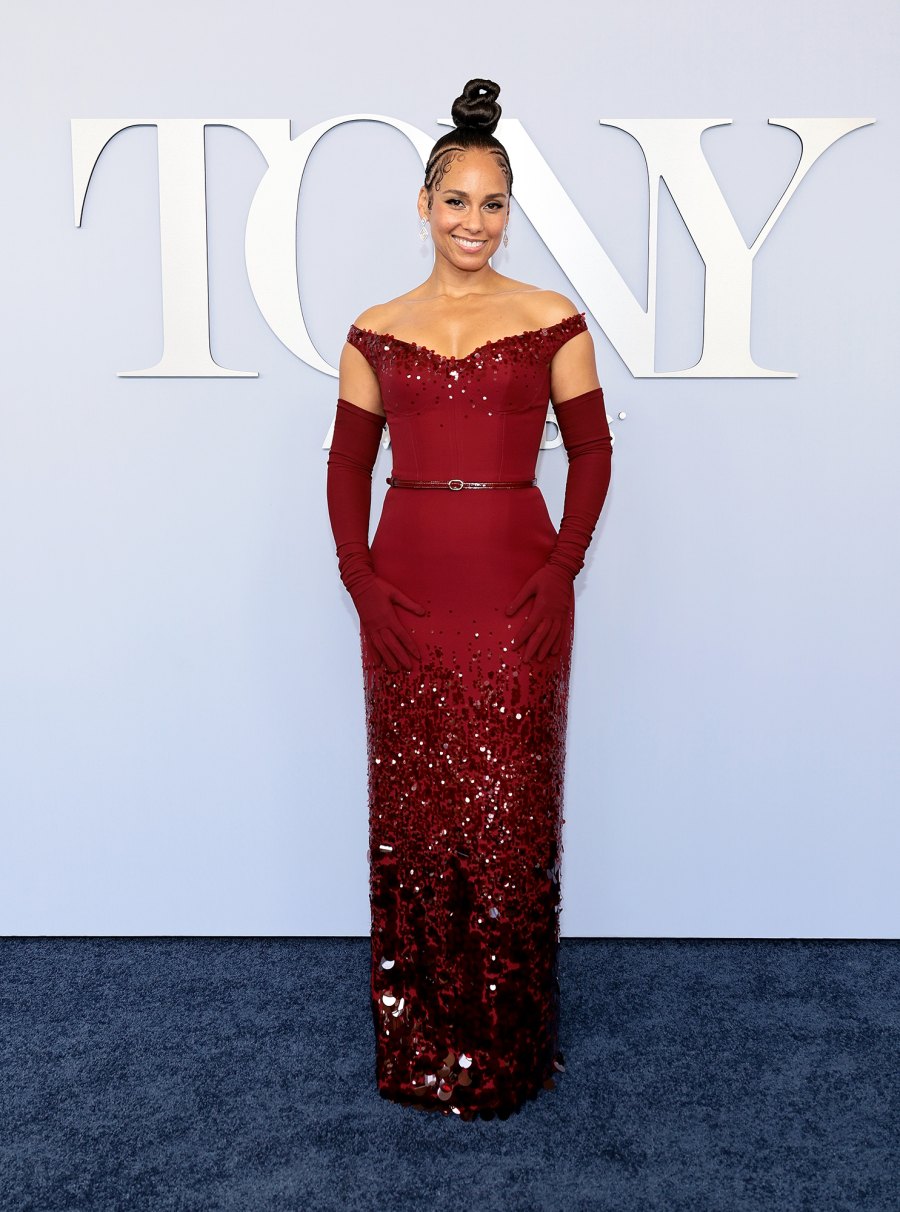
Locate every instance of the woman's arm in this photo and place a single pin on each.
(581, 416)
(351, 459)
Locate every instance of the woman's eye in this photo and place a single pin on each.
(493, 205)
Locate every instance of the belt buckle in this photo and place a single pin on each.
(459, 484)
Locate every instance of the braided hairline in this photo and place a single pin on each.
(442, 159)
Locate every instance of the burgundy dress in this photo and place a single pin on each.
(466, 750)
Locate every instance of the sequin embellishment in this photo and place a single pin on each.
(466, 749)
(466, 781)
(528, 341)
(413, 376)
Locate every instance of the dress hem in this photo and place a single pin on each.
(473, 1111)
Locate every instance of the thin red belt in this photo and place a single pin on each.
(456, 485)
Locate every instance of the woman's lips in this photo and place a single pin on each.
(468, 247)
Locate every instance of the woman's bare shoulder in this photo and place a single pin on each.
(535, 307)
(372, 318)
(381, 316)
(549, 307)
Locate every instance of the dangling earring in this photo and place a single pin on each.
(423, 230)
(505, 236)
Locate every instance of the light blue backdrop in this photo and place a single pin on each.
(182, 747)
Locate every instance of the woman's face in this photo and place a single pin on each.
(470, 208)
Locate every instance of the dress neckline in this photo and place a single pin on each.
(516, 336)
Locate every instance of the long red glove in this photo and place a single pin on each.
(588, 442)
(351, 458)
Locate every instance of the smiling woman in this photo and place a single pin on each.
(466, 606)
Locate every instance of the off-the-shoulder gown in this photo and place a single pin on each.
(466, 750)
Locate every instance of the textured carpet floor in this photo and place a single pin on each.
(163, 1074)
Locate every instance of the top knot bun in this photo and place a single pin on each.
(477, 106)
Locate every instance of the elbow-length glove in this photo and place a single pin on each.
(588, 442)
(351, 458)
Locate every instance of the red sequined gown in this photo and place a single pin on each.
(466, 750)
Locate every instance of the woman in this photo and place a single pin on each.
(466, 607)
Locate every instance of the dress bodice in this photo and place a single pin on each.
(477, 417)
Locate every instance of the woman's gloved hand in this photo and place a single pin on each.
(551, 590)
(375, 602)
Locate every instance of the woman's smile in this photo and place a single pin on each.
(470, 245)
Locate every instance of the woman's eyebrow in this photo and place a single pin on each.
(462, 193)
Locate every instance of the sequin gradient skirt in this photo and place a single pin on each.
(466, 758)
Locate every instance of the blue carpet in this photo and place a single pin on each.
(236, 1073)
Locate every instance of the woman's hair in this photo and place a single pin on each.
(476, 114)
